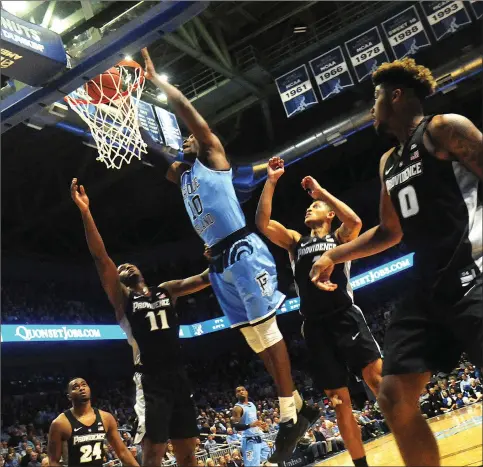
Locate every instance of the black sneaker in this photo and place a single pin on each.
(311, 414)
(288, 436)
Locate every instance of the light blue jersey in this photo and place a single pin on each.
(211, 203)
(252, 443)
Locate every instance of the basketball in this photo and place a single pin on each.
(106, 85)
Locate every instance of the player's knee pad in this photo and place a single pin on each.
(252, 338)
(268, 333)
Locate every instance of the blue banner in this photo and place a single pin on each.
(30, 53)
(367, 53)
(296, 91)
(405, 32)
(445, 17)
(169, 128)
(147, 119)
(79, 332)
(477, 7)
(331, 73)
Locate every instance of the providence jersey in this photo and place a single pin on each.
(152, 329)
(85, 445)
(439, 207)
(211, 202)
(313, 301)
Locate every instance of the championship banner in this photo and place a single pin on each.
(169, 128)
(30, 53)
(331, 73)
(296, 91)
(405, 32)
(445, 17)
(367, 53)
(477, 7)
(147, 120)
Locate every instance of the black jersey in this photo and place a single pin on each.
(152, 328)
(85, 445)
(313, 301)
(439, 207)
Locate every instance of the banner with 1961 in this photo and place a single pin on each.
(296, 91)
(477, 7)
(445, 17)
(366, 52)
(331, 73)
(405, 32)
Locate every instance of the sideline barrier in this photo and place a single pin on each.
(78, 332)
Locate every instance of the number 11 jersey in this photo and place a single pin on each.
(438, 203)
(152, 329)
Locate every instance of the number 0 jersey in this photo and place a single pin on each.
(313, 301)
(152, 329)
(439, 207)
(211, 202)
(85, 445)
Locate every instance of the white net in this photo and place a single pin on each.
(113, 115)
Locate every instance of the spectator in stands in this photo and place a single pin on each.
(460, 402)
(4, 449)
(476, 389)
(200, 463)
(465, 382)
(10, 461)
(233, 438)
(127, 438)
(448, 403)
(34, 460)
(210, 444)
(170, 452)
(210, 462)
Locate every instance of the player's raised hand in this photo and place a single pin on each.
(312, 187)
(149, 72)
(275, 168)
(78, 194)
(320, 274)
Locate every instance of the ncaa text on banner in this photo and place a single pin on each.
(367, 53)
(331, 73)
(405, 32)
(296, 91)
(169, 128)
(477, 7)
(147, 120)
(446, 17)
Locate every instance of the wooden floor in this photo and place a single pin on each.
(459, 436)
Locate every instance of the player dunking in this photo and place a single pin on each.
(77, 435)
(164, 406)
(334, 328)
(242, 271)
(430, 194)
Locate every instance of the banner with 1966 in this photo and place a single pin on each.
(477, 7)
(331, 73)
(366, 52)
(296, 91)
(445, 17)
(405, 32)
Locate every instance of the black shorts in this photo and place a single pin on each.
(430, 335)
(164, 407)
(338, 345)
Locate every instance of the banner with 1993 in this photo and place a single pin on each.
(296, 91)
(405, 33)
(445, 17)
(366, 52)
(477, 7)
(331, 73)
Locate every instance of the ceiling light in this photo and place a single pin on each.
(162, 97)
(163, 77)
(14, 7)
(57, 25)
(128, 57)
(299, 29)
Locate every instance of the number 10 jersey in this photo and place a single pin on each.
(439, 207)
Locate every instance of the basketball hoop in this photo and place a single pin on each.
(109, 106)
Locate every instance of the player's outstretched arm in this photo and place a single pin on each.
(385, 235)
(190, 116)
(459, 138)
(57, 434)
(114, 438)
(351, 222)
(273, 230)
(106, 268)
(193, 284)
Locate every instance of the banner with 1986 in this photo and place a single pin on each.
(405, 32)
(331, 73)
(366, 52)
(296, 91)
(445, 17)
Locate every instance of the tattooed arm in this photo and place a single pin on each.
(455, 137)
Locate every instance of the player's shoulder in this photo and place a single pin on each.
(107, 417)
(61, 423)
(442, 123)
(384, 158)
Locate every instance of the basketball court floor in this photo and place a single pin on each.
(459, 436)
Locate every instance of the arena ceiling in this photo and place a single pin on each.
(225, 60)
